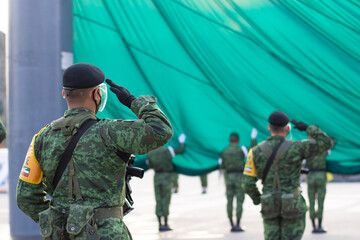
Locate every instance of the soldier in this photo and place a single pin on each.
(316, 185)
(161, 161)
(232, 162)
(175, 182)
(204, 183)
(88, 199)
(2, 132)
(278, 163)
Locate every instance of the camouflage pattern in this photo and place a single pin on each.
(98, 158)
(161, 161)
(284, 229)
(203, 180)
(316, 183)
(162, 193)
(233, 189)
(175, 180)
(233, 160)
(2, 132)
(289, 170)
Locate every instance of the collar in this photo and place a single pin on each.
(74, 111)
(275, 138)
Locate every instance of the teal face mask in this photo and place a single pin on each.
(103, 90)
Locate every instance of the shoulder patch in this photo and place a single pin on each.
(250, 169)
(31, 171)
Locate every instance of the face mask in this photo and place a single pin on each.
(103, 90)
(290, 133)
(103, 98)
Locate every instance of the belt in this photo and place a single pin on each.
(111, 212)
(162, 171)
(234, 171)
(318, 170)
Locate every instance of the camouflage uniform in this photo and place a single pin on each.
(161, 161)
(175, 181)
(99, 160)
(2, 132)
(316, 183)
(203, 180)
(283, 207)
(233, 164)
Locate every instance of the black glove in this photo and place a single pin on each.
(122, 93)
(300, 125)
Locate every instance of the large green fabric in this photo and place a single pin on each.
(218, 66)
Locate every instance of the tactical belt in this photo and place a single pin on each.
(104, 213)
(234, 171)
(162, 171)
(317, 170)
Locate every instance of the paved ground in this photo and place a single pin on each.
(196, 216)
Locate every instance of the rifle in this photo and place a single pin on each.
(130, 172)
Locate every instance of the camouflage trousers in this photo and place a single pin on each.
(203, 180)
(284, 229)
(316, 183)
(234, 189)
(162, 186)
(175, 180)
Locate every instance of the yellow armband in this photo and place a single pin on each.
(31, 171)
(250, 169)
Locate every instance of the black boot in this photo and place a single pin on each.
(315, 230)
(166, 226)
(232, 225)
(161, 227)
(320, 229)
(238, 228)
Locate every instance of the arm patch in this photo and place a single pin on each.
(31, 171)
(250, 169)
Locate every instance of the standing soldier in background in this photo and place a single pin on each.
(204, 183)
(2, 132)
(316, 185)
(232, 162)
(88, 198)
(278, 163)
(161, 161)
(175, 182)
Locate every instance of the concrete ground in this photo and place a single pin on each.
(196, 216)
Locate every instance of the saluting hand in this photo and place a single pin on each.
(300, 125)
(122, 93)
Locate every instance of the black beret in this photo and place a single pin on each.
(278, 119)
(82, 75)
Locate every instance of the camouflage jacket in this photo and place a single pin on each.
(232, 158)
(161, 159)
(289, 164)
(99, 163)
(2, 132)
(318, 161)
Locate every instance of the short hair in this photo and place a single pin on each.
(77, 95)
(234, 137)
(277, 129)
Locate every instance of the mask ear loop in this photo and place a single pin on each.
(290, 132)
(96, 105)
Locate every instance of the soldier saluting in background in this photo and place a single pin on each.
(278, 163)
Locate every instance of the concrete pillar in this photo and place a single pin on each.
(40, 34)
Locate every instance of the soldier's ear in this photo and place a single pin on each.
(268, 128)
(63, 93)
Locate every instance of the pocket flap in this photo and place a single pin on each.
(46, 218)
(79, 216)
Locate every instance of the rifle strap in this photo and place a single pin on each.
(66, 156)
(270, 160)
